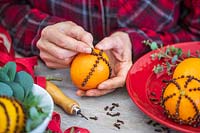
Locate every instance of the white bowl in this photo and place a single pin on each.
(46, 100)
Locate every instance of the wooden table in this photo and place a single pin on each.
(134, 120)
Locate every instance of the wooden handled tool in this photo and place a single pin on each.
(69, 105)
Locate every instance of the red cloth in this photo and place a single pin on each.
(164, 21)
(54, 125)
(27, 64)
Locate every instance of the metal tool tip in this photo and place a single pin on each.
(77, 111)
(82, 115)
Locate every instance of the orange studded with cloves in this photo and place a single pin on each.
(12, 116)
(181, 99)
(87, 71)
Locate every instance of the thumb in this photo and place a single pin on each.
(105, 44)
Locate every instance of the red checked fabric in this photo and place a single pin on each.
(27, 64)
(164, 21)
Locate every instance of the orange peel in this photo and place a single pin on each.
(181, 96)
(12, 115)
(89, 70)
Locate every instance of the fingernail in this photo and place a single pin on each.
(80, 93)
(91, 45)
(98, 47)
(88, 50)
(101, 86)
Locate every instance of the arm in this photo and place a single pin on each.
(34, 32)
(186, 28)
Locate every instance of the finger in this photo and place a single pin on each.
(97, 92)
(108, 43)
(80, 34)
(115, 82)
(64, 41)
(55, 65)
(80, 92)
(54, 50)
(115, 44)
(120, 78)
(51, 60)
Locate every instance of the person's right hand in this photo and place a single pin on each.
(59, 43)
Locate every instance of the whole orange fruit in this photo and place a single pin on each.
(189, 66)
(12, 115)
(89, 70)
(181, 99)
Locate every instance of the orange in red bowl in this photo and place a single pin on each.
(181, 97)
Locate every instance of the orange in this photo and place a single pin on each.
(12, 115)
(21, 116)
(89, 70)
(181, 99)
(189, 66)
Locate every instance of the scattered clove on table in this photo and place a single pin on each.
(113, 114)
(120, 121)
(110, 112)
(158, 127)
(106, 108)
(149, 122)
(116, 125)
(94, 118)
(111, 108)
(115, 104)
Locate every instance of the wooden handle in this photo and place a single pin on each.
(60, 98)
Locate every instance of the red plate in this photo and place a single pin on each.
(143, 86)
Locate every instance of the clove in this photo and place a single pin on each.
(115, 104)
(94, 118)
(117, 125)
(106, 108)
(111, 108)
(113, 115)
(120, 121)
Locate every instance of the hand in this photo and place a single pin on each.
(59, 43)
(118, 47)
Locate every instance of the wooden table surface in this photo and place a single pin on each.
(134, 120)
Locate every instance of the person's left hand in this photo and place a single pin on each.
(119, 49)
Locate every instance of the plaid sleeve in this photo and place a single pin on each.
(24, 24)
(187, 27)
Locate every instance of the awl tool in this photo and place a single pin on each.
(69, 105)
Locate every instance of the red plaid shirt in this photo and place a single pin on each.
(164, 21)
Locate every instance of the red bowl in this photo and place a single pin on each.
(145, 88)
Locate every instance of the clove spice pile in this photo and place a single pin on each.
(158, 127)
(111, 113)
